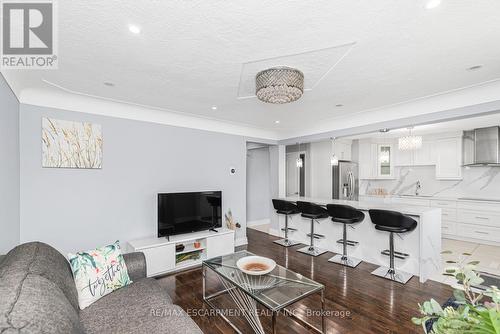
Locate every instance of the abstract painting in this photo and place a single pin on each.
(67, 144)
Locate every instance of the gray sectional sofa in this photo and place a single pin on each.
(38, 295)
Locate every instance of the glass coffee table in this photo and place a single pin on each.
(249, 298)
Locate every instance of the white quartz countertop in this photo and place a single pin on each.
(412, 210)
(437, 197)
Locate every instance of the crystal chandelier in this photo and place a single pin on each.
(279, 85)
(410, 142)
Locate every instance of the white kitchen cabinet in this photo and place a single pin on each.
(376, 160)
(449, 158)
(367, 160)
(342, 149)
(424, 156)
(385, 161)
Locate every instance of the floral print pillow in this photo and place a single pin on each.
(98, 272)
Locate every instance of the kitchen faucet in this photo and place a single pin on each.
(418, 186)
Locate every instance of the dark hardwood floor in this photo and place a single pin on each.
(375, 305)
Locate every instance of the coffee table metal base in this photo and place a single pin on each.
(248, 306)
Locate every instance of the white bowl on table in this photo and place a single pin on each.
(243, 263)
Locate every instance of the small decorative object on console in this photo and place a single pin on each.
(179, 247)
(230, 223)
(197, 244)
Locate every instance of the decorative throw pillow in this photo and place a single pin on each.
(98, 272)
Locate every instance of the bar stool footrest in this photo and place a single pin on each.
(316, 236)
(289, 229)
(398, 255)
(348, 242)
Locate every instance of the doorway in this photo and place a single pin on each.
(295, 174)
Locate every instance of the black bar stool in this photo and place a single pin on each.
(286, 208)
(392, 222)
(345, 215)
(314, 212)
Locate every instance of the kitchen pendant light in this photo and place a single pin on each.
(334, 160)
(410, 142)
(300, 163)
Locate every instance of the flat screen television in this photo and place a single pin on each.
(180, 213)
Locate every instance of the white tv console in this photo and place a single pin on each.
(161, 257)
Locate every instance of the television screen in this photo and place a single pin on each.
(180, 213)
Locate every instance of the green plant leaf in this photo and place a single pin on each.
(459, 295)
(467, 254)
(446, 252)
(474, 263)
(450, 261)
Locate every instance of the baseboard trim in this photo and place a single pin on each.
(258, 222)
(241, 242)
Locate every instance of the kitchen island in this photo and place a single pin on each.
(423, 244)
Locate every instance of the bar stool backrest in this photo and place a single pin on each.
(391, 219)
(311, 208)
(345, 212)
(285, 207)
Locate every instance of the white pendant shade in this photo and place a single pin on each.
(334, 160)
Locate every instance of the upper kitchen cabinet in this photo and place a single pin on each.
(449, 158)
(424, 156)
(376, 159)
(342, 149)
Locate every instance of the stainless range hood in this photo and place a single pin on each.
(481, 147)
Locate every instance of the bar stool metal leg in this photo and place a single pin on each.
(391, 273)
(286, 242)
(344, 259)
(311, 249)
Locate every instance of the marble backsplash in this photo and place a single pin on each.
(481, 182)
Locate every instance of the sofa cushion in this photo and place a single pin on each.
(31, 298)
(142, 307)
(98, 272)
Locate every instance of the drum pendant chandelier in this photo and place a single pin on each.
(279, 85)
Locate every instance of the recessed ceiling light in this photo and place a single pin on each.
(385, 130)
(109, 84)
(474, 68)
(134, 29)
(214, 107)
(339, 105)
(276, 122)
(432, 4)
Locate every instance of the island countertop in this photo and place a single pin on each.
(422, 244)
(411, 210)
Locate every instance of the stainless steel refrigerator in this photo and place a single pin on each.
(345, 179)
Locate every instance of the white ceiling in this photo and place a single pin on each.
(193, 54)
